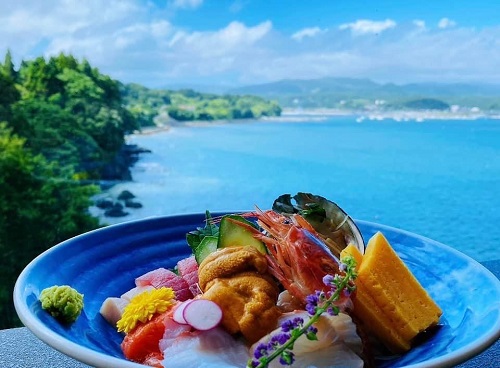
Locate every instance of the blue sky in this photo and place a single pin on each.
(238, 42)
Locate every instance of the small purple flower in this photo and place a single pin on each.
(287, 326)
(254, 363)
(290, 324)
(260, 351)
(328, 280)
(312, 299)
(312, 330)
(298, 321)
(287, 358)
(278, 340)
(343, 267)
(311, 309)
(311, 303)
(333, 311)
(347, 292)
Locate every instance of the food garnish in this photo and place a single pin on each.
(281, 345)
(195, 237)
(202, 314)
(63, 302)
(144, 306)
(271, 281)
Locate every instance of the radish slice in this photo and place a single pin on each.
(202, 314)
(178, 315)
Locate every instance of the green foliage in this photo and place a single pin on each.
(62, 120)
(69, 112)
(143, 103)
(427, 104)
(8, 91)
(181, 114)
(185, 105)
(39, 206)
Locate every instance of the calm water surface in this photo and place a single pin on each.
(440, 179)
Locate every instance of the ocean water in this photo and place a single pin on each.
(439, 179)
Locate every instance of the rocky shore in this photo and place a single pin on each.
(114, 172)
(119, 168)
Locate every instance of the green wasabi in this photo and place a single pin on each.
(63, 302)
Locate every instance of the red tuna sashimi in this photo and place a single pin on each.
(188, 270)
(163, 277)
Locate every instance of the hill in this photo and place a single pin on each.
(153, 107)
(356, 93)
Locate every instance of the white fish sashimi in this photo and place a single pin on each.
(338, 355)
(206, 349)
(172, 332)
(136, 291)
(112, 309)
(337, 344)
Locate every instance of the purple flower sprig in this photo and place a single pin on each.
(281, 345)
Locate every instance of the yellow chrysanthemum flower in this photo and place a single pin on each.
(144, 306)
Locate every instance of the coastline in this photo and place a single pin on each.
(290, 115)
(397, 115)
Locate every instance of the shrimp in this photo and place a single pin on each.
(297, 257)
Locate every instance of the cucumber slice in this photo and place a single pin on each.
(207, 246)
(236, 231)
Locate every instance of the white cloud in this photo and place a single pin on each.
(306, 32)
(236, 36)
(419, 23)
(365, 26)
(187, 4)
(138, 42)
(26, 24)
(446, 23)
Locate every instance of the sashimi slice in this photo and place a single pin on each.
(143, 340)
(172, 331)
(154, 360)
(162, 277)
(203, 349)
(188, 270)
(136, 291)
(112, 309)
(156, 278)
(337, 344)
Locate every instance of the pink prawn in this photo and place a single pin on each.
(297, 257)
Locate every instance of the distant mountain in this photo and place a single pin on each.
(351, 92)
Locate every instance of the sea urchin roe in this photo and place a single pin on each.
(144, 306)
(62, 302)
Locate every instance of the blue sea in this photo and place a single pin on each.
(436, 178)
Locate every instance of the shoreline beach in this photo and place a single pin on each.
(322, 114)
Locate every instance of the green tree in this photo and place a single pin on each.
(8, 67)
(8, 95)
(34, 194)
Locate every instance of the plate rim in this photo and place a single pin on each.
(95, 358)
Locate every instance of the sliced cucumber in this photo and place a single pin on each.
(236, 231)
(207, 246)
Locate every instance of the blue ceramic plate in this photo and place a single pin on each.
(105, 262)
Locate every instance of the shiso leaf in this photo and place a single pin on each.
(195, 237)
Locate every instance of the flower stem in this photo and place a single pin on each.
(264, 361)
